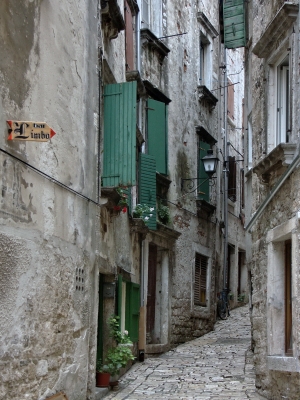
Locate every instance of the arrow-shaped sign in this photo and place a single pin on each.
(29, 130)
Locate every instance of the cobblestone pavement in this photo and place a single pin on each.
(217, 365)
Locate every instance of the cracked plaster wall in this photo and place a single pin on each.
(49, 237)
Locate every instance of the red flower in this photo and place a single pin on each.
(124, 209)
(117, 208)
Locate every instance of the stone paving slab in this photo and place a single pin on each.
(217, 365)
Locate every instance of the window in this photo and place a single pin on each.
(200, 297)
(146, 14)
(152, 16)
(203, 189)
(283, 102)
(232, 179)
(205, 62)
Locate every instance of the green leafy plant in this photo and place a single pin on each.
(117, 357)
(163, 213)
(241, 297)
(100, 367)
(143, 211)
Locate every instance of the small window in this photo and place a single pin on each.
(200, 280)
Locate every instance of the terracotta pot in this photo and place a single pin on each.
(102, 379)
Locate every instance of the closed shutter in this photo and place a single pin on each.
(234, 23)
(203, 190)
(200, 280)
(157, 134)
(132, 310)
(129, 53)
(147, 186)
(232, 179)
(119, 156)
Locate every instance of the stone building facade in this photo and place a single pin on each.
(272, 216)
(136, 94)
(50, 239)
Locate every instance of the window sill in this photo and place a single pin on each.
(287, 364)
(201, 312)
(275, 163)
(149, 39)
(204, 206)
(112, 18)
(206, 96)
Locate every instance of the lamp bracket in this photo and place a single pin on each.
(190, 185)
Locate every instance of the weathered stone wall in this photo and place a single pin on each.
(281, 209)
(49, 258)
(185, 113)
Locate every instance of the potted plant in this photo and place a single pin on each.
(102, 374)
(143, 211)
(119, 355)
(123, 202)
(163, 213)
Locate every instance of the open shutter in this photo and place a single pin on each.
(132, 310)
(203, 191)
(147, 186)
(120, 280)
(234, 23)
(119, 157)
(157, 134)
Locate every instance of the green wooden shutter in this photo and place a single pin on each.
(132, 310)
(203, 190)
(234, 23)
(119, 156)
(157, 134)
(147, 185)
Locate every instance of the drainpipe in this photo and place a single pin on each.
(225, 194)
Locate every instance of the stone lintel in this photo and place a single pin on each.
(277, 28)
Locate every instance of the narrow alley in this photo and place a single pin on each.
(217, 365)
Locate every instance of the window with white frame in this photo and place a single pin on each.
(146, 14)
(204, 61)
(152, 16)
(279, 121)
(283, 102)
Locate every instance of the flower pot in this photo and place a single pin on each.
(102, 379)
